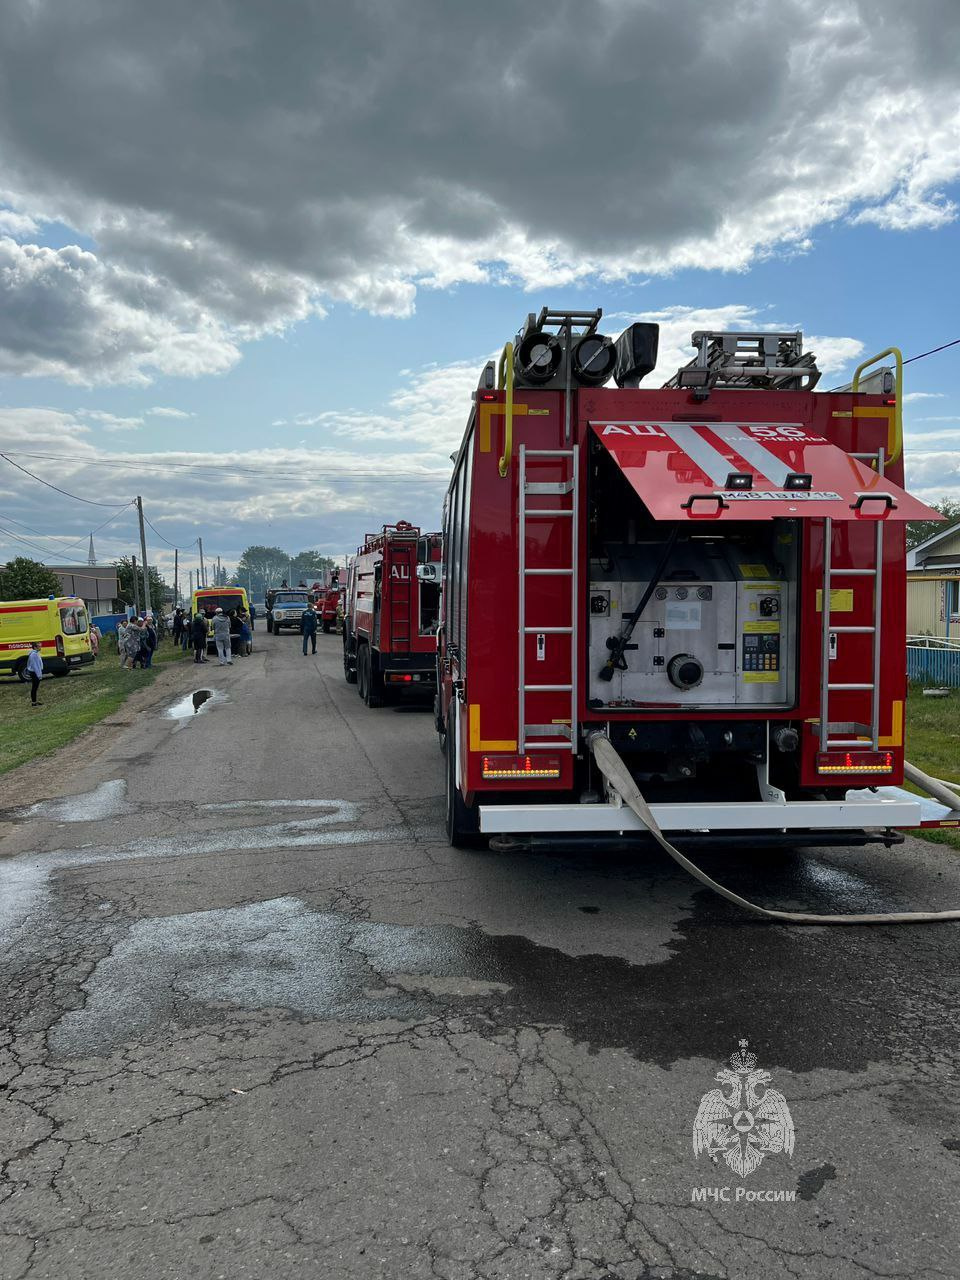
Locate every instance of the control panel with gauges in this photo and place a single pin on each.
(717, 631)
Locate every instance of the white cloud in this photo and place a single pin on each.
(922, 395)
(110, 421)
(159, 411)
(260, 168)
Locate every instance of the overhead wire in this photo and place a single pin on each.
(189, 547)
(922, 355)
(63, 545)
(65, 492)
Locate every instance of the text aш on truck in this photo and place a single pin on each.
(710, 575)
(209, 599)
(391, 608)
(60, 625)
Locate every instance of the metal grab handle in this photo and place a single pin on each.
(885, 498)
(705, 497)
(505, 380)
(894, 446)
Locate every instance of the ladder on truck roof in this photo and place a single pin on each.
(553, 736)
(828, 630)
(403, 559)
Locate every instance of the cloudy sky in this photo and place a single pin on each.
(252, 256)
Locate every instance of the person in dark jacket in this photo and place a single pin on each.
(148, 643)
(308, 627)
(198, 634)
(177, 626)
(236, 633)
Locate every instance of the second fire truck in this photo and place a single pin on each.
(391, 608)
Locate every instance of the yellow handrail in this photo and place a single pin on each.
(898, 393)
(505, 378)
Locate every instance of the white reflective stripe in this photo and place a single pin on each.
(766, 464)
(698, 450)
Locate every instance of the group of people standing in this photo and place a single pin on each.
(232, 633)
(136, 642)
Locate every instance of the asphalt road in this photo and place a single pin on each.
(261, 1022)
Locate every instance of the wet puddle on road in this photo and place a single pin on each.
(189, 705)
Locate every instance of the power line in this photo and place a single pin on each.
(167, 540)
(932, 351)
(923, 354)
(75, 496)
(401, 477)
(25, 542)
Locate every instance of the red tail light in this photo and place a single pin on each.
(521, 767)
(855, 762)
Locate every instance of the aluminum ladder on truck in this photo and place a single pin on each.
(871, 686)
(401, 589)
(531, 736)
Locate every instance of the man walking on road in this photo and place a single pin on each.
(198, 634)
(35, 671)
(221, 634)
(308, 628)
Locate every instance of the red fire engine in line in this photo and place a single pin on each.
(391, 608)
(709, 577)
(326, 599)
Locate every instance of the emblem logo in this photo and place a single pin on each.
(743, 1125)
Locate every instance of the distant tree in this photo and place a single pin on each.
(158, 588)
(261, 567)
(919, 530)
(310, 566)
(24, 579)
(222, 577)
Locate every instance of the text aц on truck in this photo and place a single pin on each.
(390, 613)
(711, 576)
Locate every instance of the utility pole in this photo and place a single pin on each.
(202, 579)
(136, 587)
(176, 571)
(143, 561)
(219, 574)
(191, 587)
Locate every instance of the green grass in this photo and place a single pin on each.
(933, 745)
(70, 704)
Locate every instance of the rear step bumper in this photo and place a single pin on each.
(860, 809)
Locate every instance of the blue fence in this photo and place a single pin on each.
(934, 666)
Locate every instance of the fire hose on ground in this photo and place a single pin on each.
(619, 777)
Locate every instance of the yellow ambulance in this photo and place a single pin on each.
(59, 624)
(207, 600)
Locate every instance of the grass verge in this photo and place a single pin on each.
(933, 745)
(70, 704)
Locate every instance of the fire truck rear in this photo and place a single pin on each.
(391, 608)
(709, 576)
(326, 599)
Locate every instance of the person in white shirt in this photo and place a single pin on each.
(35, 671)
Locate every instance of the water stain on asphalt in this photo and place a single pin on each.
(106, 801)
(724, 979)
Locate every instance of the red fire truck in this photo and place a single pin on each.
(708, 576)
(391, 609)
(326, 597)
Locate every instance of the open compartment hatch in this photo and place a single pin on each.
(749, 471)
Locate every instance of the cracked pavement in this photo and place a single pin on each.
(260, 1021)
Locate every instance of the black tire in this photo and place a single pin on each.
(375, 691)
(462, 820)
(20, 671)
(349, 667)
(362, 671)
(438, 721)
(60, 674)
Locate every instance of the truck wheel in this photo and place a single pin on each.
(362, 671)
(349, 668)
(462, 820)
(20, 670)
(372, 692)
(438, 721)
